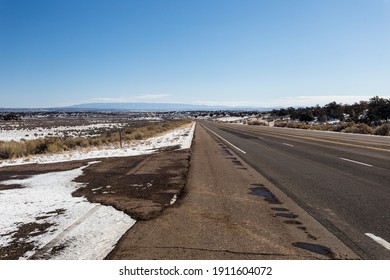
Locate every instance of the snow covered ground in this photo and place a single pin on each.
(16, 133)
(231, 119)
(182, 137)
(84, 230)
(71, 227)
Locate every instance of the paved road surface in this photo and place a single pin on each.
(223, 214)
(342, 180)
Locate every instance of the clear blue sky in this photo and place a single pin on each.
(238, 52)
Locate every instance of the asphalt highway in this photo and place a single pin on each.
(342, 180)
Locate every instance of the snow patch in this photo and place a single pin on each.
(179, 137)
(47, 199)
(17, 134)
(173, 200)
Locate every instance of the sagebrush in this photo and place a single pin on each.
(15, 149)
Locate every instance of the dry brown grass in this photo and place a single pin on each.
(14, 149)
(348, 127)
(383, 130)
(359, 128)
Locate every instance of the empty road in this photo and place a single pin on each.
(342, 180)
(227, 210)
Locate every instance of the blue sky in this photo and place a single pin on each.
(230, 52)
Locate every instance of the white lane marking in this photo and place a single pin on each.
(357, 162)
(379, 240)
(242, 151)
(288, 144)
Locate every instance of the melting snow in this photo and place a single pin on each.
(18, 134)
(82, 230)
(182, 137)
(49, 193)
(173, 200)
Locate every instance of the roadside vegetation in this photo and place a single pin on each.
(15, 149)
(365, 117)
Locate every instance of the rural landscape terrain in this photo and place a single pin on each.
(296, 183)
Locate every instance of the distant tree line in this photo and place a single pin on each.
(376, 111)
(10, 117)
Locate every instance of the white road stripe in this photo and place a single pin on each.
(357, 162)
(379, 240)
(288, 144)
(242, 151)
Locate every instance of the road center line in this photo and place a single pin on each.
(242, 151)
(357, 162)
(288, 144)
(379, 240)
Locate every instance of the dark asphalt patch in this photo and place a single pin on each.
(292, 222)
(286, 215)
(279, 209)
(260, 190)
(315, 248)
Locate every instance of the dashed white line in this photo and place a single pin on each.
(379, 240)
(357, 162)
(242, 151)
(286, 144)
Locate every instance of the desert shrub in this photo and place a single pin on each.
(317, 127)
(11, 149)
(104, 139)
(31, 146)
(69, 143)
(138, 136)
(348, 127)
(38, 147)
(280, 124)
(256, 122)
(343, 126)
(83, 142)
(360, 128)
(299, 125)
(96, 141)
(54, 146)
(129, 130)
(383, 130)
(113, 137)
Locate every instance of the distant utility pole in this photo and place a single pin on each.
(120, 137)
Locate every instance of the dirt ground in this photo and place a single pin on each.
(141, 186)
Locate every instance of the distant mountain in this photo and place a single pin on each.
(157, 107)
(138, 107)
